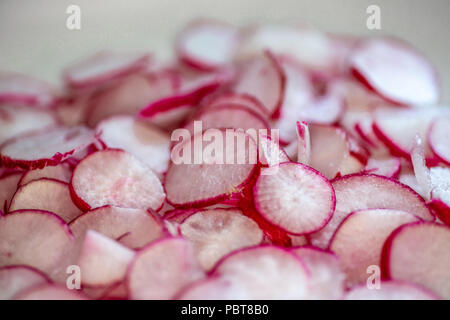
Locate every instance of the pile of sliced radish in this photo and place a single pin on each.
(265, 162)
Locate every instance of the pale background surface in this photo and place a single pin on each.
(34, 38)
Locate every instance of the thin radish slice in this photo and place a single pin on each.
(8, 186)
(417, 252)
(304, 143)
(395, 71)
(50, 292)
(16, 120)
(115, 177)
(46, 195)
(61, 172)
(217, 232)
(440, 193)
(439, 136)
(359, 239)
(366, 191)
(326, 276)
(207, 45)
(179, 215)
(102, 260)
(139, 226)
(14, 279)
(160, 270)
(147, 143)
(265, 272)
(215, 182)
(21, 89)
(45, 147)
(326, 109)
(242, 99)
(168, 118)
(294, 197)
(270, 153)
(391, 290)
(104, 66)
(213, 288)
(37, 239)
(71, 110)
(388, 167)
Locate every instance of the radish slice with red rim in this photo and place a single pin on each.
(391, 290)
(61, 172)
(388, 167)
(294, 197)
(50, 292)
(212, 288)
(270, 153)
(15, 279)
(115, 177)
(304, 143)
(439, 136)
(216, 100)
(168, 118)
(8, 186)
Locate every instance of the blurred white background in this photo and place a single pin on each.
(34, 38)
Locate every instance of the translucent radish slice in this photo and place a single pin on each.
(207, 45)
(270, 153)
(46, 195)
(104, 66)
(14, 279)
(217, 232)
(8, 186)
(365, 191)
(294, 197)
(37, 239)
(61, 172)
(213, 288)
(170, 118)
(388, 167)
(395, 71)
(50, 292)
(139, 227)
(45, 147)
(391, 290)
(417, 252)
(214, 182)
(304, 143)
(160, 270)
(236, 99)
(265, 272)
(147, 143)
(102, 260)
(439, 136)
(359, 239)
(115, 177)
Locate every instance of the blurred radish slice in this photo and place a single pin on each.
(304, 143)
(147, 143)
(390, 290)
(8, 186)
(275, 273)
(104, 66)
(417, 252)
(61, 172)
(439, 136)
(215, 182)
(420, 169)
(395, 71)
(115, 177)
(161, 269)
(16, 120)
(138, 225)
(359, 239)
(35, 238)
(270, 153)
(14, 279)
(102, 260)
(294, 197)
(440, 193)
(326, 109)
(213, 288)
(207, 45)
(326, 276)
(46, 195)
(298, 240)
(217, 232)
(71, 110)
(168, 118)
(388, 167)
(366, 191)
(50, 292)
(234, 98)
(21, 89)
(45, 147)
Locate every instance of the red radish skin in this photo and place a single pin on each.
(304, 143)
(15, 279)
(270, 152)
(438, 138)
(215, 100)
(8, 186)
(391, 290)
(61, 172)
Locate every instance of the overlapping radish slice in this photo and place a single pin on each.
(217, 232)
(50, 292)
(269, 151)
(14, 279)
(115, 177)
(360, 237)
(8, 186)
(163, 268)
(365, 191)
(145, 142)
(168, 118)
(391, 290)
(45, 147)
(104, 66)
(207, 45)
(417, 253)
(71, 110)
(234, 98)
(388, 167)
(294, 197)
(62, 172)
(326, 276)
(213, 288)
(304, 143)
(395, 71)
(439, 136)
(217, 174)
(35, 238)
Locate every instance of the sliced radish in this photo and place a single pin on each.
(395, 71)
(14, 279)
(160, 270)
(294, 197)
(270, 153)
(440, 193)
(439, 136)
(388, 167)
(391, 290)
(50, 292)
(304, 143)
(417, 252)
(234, 98)
(45, 147)
(170, 118)
(8, 186)
(217, 232)
(360, 237)
(61, 172)
(115, 177)
(213, 288)
(179, 215)
(365, 191)
(71, 110)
